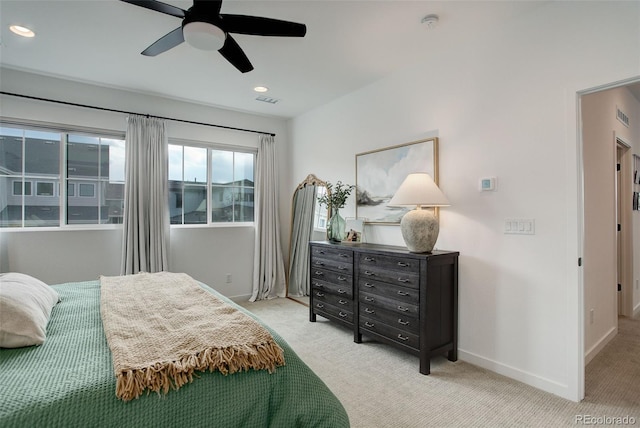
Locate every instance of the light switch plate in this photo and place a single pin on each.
(520, 226)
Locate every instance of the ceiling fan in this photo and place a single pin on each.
(204, 27)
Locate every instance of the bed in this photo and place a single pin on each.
(69, 381)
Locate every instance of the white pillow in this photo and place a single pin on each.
(25, 307)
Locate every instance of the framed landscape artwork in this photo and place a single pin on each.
(380, 173)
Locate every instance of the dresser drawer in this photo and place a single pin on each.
(325, 252)
(331, 277)
(341, 289)
(324, 308)
(389, 262)
(335, 300)
(338, 265)
(374, 273)
(408, 339)
(402, 322)
(404, 294)
(395, 306)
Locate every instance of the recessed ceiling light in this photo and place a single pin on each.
(22, 31)
(261, 89)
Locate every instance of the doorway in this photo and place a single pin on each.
(607, 244)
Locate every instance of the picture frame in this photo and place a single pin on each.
(379, 174)
(355, 230)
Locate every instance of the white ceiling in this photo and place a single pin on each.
(349, 44)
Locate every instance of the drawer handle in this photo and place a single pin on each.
(370, 299)
(343, 302)
(368, 285)
(319, 272)
(320, 252)
(319, 294)
(369, 311)
(368, 324)
(403, 280)
(403, 264)
(403, 309)
(403, 322)
(369, 259)
(343, 255)
(317, 284)
(319, 263)
(342, 278)
(401, 337)
(366, 272)
(402, 293)
(342, 267)
(320, 305)
(341, 291)
(342, 314)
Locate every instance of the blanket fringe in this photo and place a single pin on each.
(163, 376)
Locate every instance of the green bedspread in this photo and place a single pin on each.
(69, 382)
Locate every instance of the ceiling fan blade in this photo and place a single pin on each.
(259, 26)
(234, 54)
(210, 6)
(164, 43)
(158, 7)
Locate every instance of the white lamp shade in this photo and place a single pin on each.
(419, 189)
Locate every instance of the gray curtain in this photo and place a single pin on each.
(304, 202)
(146, 209)
(268, 266)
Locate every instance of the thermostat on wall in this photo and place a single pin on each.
(487, 184)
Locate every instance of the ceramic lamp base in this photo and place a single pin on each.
(420, 230)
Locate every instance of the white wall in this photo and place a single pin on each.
(599, 125)
(208, 254)
(503, 105)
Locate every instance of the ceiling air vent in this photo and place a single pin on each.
(267, 99)
(622, 117)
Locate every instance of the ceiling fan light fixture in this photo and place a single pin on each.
(203, 35)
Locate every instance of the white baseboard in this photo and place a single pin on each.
(604, 340)
(240, 299)
(636, 311)
(531, 379)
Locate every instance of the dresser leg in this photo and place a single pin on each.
(312, 316)
(452, 355)
(425, 366)
(357, 337)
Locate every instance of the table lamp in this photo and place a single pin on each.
(419, 227)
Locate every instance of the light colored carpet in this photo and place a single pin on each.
(381, 387)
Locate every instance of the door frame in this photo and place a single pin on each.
(626, 224)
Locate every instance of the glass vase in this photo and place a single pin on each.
(336, 227)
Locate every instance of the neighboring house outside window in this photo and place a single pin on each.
(210, 186)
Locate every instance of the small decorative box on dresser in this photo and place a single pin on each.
(405, 299)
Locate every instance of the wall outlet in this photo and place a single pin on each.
(228, 278)
(591, 316)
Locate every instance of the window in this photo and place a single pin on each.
(44, 188)
(86, 190)
(26, 156)
(209, 185)
(94, 166)
(19, 185)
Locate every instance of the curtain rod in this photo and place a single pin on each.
(130, 112)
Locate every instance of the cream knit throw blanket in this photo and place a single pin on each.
(162, 327)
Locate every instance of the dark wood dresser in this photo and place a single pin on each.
(404, 299)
